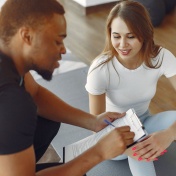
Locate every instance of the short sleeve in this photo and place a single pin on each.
(97, 78)
(168, 63)
(17, 119)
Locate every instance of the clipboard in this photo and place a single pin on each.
(75, 149)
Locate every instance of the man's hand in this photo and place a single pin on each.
(115, 142)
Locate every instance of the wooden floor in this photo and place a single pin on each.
(86, 40)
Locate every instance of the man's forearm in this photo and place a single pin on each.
(110, 145)
(52, 107)
(77, 167)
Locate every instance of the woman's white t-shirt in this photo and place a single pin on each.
(126, 88)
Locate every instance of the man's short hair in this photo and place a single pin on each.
(17, 13)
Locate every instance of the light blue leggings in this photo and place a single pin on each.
(152, 124)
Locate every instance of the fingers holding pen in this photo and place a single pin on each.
(124, 131)
(115, 142)
(127, 134)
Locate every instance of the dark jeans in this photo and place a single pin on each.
(45, 132)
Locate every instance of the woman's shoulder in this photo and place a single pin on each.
(100, 59)
(165, 58)
(99, 63)
(165, 52)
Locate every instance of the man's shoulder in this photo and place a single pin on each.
(14, 97)
(8, 72)
(17, 119)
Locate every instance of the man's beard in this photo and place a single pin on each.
(47, 75)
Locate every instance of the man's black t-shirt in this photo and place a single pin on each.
(18, 112)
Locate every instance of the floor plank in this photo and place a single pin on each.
(86, 40)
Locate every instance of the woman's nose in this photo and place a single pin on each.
(123, 43)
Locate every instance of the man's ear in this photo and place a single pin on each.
(26, 35)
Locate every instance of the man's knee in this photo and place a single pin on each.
(47, 126)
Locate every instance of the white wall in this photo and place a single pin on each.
(87, 3)
(81, 2)
(84, 3)
(2, 2)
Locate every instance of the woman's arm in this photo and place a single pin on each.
(172, 128)
(97, 104)
(157, 142)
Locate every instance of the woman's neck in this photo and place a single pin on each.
(130, 64)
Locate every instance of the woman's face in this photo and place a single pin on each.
(124, 41)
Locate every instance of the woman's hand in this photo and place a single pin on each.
(110, 116)
(153, 146)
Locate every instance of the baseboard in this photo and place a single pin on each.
(97, 8)
(77, 8)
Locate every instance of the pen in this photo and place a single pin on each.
(108, 122)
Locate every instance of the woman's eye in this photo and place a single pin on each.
(116, 37)
(131, 37)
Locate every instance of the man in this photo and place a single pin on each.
(31, 38)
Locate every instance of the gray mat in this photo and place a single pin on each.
(70, 87)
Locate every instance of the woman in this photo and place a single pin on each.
(125, 76)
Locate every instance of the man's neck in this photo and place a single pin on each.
(14, 55)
